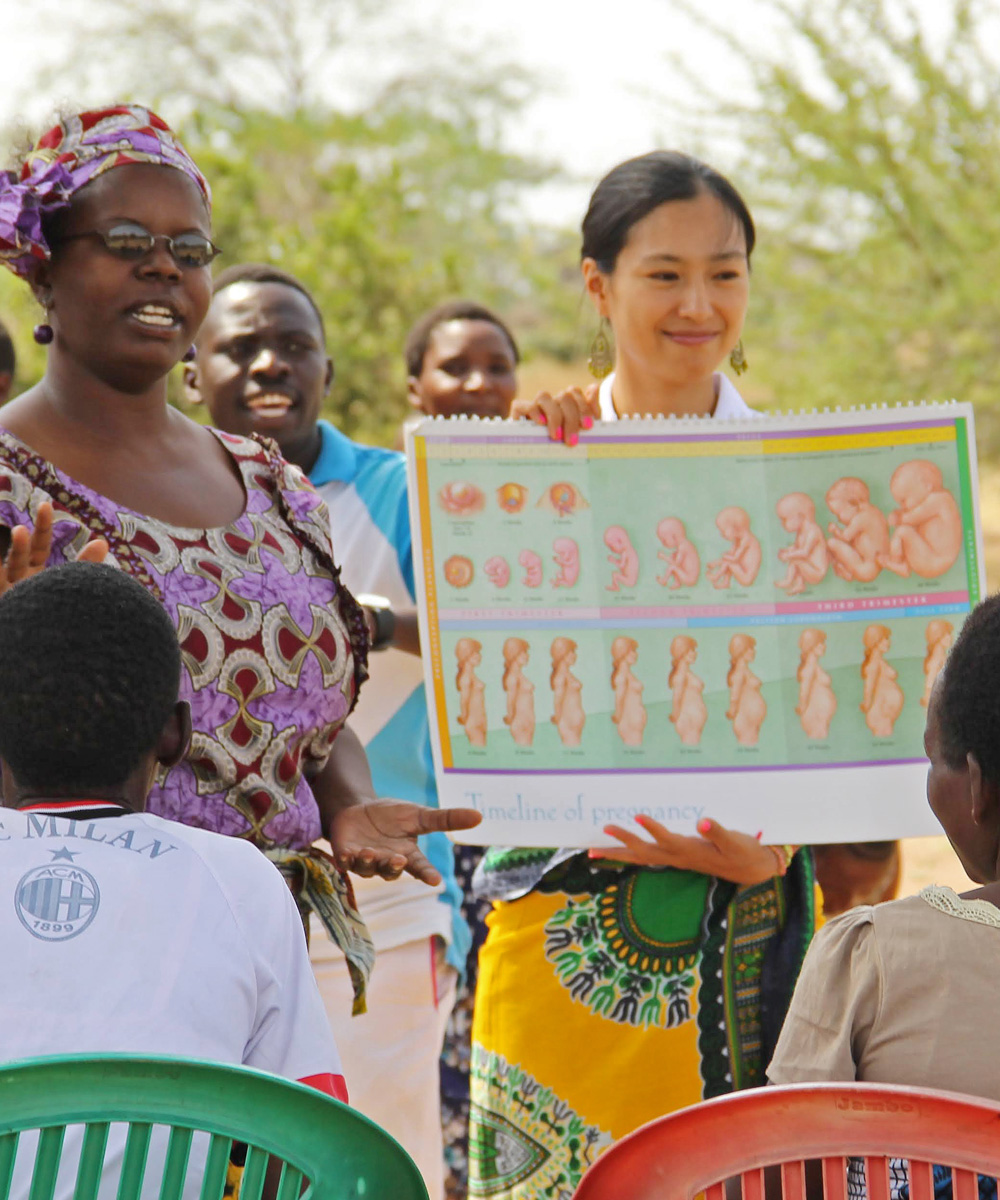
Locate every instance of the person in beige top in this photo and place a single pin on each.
(905, 992)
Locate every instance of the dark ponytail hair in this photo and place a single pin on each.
(635, 187)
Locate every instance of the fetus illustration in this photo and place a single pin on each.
(747, 707)
(807, 557)
(862, 535)
(567, 692)
(520, 715)
(624, 559)
(883, 697)
(458, 570)
(497, 571)
(563, 498)
(567, 558)
(688, 713)
(683, 563)
(939, 634)
(512, 497)
(461, 499)
(817, 700)
(532, 564)
(927, 534)
(472, 702)
(742, 562)
(630, 712)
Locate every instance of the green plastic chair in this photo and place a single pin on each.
(334, 1151)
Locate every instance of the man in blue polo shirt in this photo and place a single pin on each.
(262, 367)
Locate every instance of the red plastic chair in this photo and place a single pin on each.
(695, 1150)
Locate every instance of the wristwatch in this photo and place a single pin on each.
(382, 620)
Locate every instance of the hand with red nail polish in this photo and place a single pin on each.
(566, 413)
(724, 853)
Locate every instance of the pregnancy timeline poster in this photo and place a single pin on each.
(687, 618)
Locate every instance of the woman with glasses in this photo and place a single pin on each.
(109, 222)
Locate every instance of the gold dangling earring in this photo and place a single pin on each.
(738, 359)
(600, 361)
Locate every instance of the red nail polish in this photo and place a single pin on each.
(587, 422)
(572, 440)
(557, 432)
(704, 826)
(542, 419)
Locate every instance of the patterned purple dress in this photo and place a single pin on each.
(273, 647)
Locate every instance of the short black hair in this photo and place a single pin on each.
(265, 273)
(968, 698)
(8, 359)
(419, 337)
(89, 674)
(635, 187)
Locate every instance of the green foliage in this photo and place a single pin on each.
(383, 208)
(872, 157)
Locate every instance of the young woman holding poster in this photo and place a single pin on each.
(610, 992)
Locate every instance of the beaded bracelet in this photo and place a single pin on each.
(783, 856)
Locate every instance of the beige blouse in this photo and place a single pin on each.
(904, 992)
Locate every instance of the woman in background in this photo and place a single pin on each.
(461, 360)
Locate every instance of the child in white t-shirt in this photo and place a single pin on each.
(122, 931)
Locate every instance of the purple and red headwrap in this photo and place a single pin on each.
(70, 155)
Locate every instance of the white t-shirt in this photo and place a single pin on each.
(133, 934)
(728, 402)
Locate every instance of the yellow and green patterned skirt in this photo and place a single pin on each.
(608, 998)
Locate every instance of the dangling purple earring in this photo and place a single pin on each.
(43, 334)
(189, 354)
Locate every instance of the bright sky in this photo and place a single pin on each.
(609, 88)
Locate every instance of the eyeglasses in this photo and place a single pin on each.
(133, 242)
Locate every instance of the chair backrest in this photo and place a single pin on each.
(695, 1150)
(342, 1154)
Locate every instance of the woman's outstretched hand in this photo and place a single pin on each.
(738, 857)
(379, 837)
(565, 414)
(29, 552)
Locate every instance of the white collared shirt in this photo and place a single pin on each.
(728, 402)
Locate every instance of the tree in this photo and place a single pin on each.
(383, 208)
(872, 155)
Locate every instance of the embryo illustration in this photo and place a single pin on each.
(747, 707)
(817, 700)
(807, 558)
(630, 713)
(512, 497)
(927, 533)
(567, 558)
(857, 543)
(471, 690)
(563, 498)
(939, 635)
(883, 697)
(520, 715)
(497, 571)
(533, 565)
(459, 571)
(683, 563)
(461, 499)
(567, 692)
(688, 713)
(742, 562)
(624, 559)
